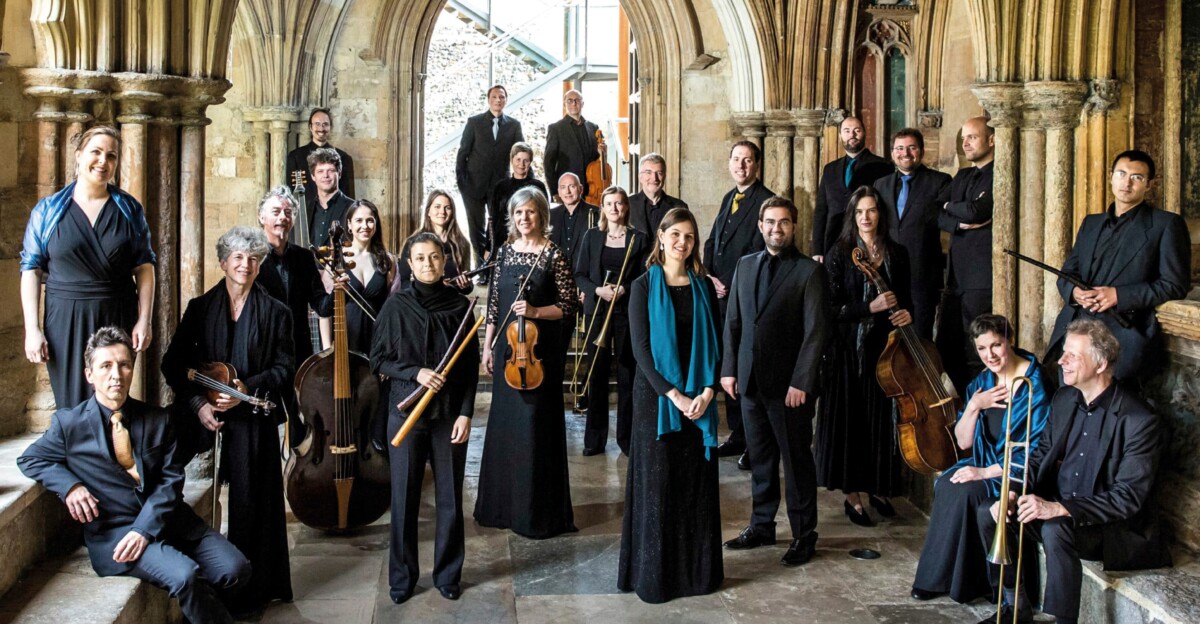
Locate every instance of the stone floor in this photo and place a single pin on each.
(507, 578)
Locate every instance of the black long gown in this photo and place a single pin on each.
(856, 447)
(259, 346)
(671, 530)
(89, 285)
(359, 327)
(523, 480)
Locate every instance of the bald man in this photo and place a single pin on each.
(968, 219)
(570, 143)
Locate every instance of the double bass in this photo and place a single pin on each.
(599, 173)
(910, 371)
(336, 480)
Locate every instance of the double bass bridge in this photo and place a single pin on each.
(343, 450)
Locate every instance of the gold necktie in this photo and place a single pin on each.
(123, 447)
(737, 197)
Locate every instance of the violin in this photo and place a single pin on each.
(217, 378)
(523, 370)
(599, 173)
(910, 371)
(336, 480)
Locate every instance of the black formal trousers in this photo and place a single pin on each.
(959, 308)
(427, 442)
(595, 433)
(196, 572)
(477, 228)
(774, 433)
(1065, 545)
(733, 407)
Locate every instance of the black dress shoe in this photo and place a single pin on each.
(744, 462)
(401, 597)
(749, 538)
(800, 551)
(450, 592)
(857, 517)
(1006, 615)
(884, 508)
(587, 452)
(730, 448)
(921, 594)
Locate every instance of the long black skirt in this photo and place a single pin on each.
(671, 532)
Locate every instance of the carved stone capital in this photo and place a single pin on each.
(1105, 95)
(1058, 103)
(835, 116)
(282, 114)
(3, 60)
(779, 123)
(810, 122)
(931, 118)
(751, 124)
(1181, 318)
(1003, 101)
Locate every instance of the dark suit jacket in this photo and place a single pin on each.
(297, 160)
(75, 450)
(483, 161)
(1130, 440)
(734, 236)
(565, 153)
(639, 211)
(585, 221)
(589, 274)
(780, 344)
(833, 195)
(305, 290)
(1149, 273)
(918, 230)
(970, 250)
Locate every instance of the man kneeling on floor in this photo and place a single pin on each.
(111, 459)
(1091, 474)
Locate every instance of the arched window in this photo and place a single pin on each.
(881, 83)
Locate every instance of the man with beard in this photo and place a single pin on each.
(320, 125)
(647, 206)
(915, 195)
(775, 333)
(570, 144)
(859, 167)
(733, 235)
(968, 219)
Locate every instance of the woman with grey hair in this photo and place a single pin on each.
(520, 160)
(523, 484)
(238, 323)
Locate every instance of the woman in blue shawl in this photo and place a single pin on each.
(671, 532)
(954, 560)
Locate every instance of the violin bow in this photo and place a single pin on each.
(355, 296)
(403, 405)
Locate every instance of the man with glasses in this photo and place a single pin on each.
(1136, 257)
(915, 194)
(647, 206)
(570, 144)
(320, 124)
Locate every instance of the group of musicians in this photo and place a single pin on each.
(784, 337)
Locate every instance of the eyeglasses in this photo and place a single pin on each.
(1121, 174)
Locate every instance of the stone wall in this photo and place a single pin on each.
(1190, 139)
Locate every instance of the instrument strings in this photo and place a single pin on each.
(213, 384)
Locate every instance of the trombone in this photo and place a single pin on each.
(999, 553)
(601, 341)
(583, 329)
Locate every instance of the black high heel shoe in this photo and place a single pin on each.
(884, 508)
(857, 517)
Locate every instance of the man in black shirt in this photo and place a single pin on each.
(840, 178)
(570, 144)
(1091, 474)
(647, 206)
(1136, 257)
(735, 234)
(330, 203)
(320, 124)
(968, 219)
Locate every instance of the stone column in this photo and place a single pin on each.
(1003, 102)
(48, 116)
(1060, 105)
(279, 137)
(76, 119)
(929, 122)
(810, 125)
(191, 203)
(777, 152)
(164, 235)
(262, 155)
(1029, 233)
(1104, 97)
(133, 119)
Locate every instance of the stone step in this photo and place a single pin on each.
(1166, 596)
(65, 590)
(33, 522)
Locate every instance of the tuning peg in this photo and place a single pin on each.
(350, 264)
(347, 253)
(346, 242)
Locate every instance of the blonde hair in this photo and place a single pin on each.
(529, 195)
(613, 190)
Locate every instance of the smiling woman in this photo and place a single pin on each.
(90, 245)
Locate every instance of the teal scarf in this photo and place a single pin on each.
(664, 348)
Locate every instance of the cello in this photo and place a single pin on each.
(599, 173)
(910, 371)
(336, 480)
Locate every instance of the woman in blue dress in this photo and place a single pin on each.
(953, 560)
